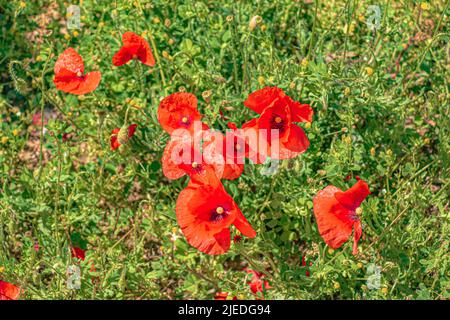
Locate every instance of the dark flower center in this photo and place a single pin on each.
(196, 167)
(218, 214)
(277, 123)
(185, 121)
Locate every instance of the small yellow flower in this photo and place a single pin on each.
(38, 58)
(171, 41)
(347, 139)
(15, 132)
(425, 6)
(308, 125)
(426, 140)
(261, 80)
(389, 152)
(174, 230)
(337, 286)
(372, 151)
(359, 265)
(22, 4)
(101, 24)
(330, 251)
(384, 290)
(230, 18)
(346, 91)
(2, 269)
(369, 71)
(352, 28)
(292, 85)
(165, 54)
(75, 33)
(361, 18)
(4, 140)
(156, 20)
(67, 36)
(69, 114)
(263, 27)
(305, 62)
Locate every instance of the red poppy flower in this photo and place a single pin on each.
(257, 282)
(274, 134)
(205, 214)
(259, 100)
(78, 253)
(8, 291)
(134, 47)
(69, 74)
(232, 147)
(179, 111)
(223, 296)
(183, 155)
(120, 136)
(304, 265)
(337, 214)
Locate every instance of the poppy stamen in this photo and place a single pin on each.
(278, 120)
(219, 210)
(359, 211)
(79, 74)
(194, 165)
(185, 120)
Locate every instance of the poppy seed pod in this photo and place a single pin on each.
(254, 22)
(122, 136)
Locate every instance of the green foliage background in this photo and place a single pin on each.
(390, 127)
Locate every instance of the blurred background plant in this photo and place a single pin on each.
(381, 102)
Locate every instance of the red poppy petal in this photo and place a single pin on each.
(66, 80)
(114, 142)
(333, 220)
(89, 83)
(259, 100)
(243, 225)
(188, 208)
(69, 60)
(301, 112)
(122, 56)
(232, 171)
(130, 38)
(131, 130)
(78, 253)
(173, 108)
(171, 169)
(145, 54)
(296, 143)
(8, 291)
(353, 197)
